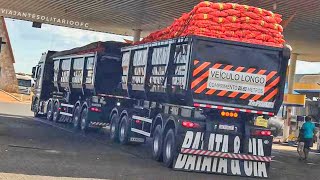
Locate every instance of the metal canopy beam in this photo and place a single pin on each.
(121, 16)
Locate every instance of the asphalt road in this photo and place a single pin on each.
(40, 148)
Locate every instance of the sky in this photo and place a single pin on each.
(29, 43)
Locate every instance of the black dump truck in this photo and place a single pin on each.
(204, 102)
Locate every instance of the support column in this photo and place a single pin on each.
(292, 71)
(8, 80)
(136, 35)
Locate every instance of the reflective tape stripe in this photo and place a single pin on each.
(140, 132)
(142, 119)
(67, 105)
(226, 155)
(66, 114)
(232, 109)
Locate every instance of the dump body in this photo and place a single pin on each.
(94, 68)
(204, 71)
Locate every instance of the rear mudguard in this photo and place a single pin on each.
(224, 154)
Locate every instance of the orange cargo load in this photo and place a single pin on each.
(228, 21)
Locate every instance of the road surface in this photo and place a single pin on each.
(37, 149)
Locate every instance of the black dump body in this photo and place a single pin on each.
(200, 70)
(94, 68)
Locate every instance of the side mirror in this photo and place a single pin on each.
(34, 72)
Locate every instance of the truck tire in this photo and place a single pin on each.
(35, 108)
(114, 128)
(50, 111)
(169, 148)
(84, 125)
(124, 130)
(56, 112)
(157, 143)
(76, 118)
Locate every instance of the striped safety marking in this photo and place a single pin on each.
(201, 74)
(232, 109)
(226, 155)
(98, 124)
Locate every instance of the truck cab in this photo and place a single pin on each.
(42, 76)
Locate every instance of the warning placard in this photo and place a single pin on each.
(236, 81)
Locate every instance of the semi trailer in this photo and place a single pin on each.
(204, 102)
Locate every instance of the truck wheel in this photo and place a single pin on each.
(84, 125)
(114, 128)
(124, 131)
(50, 111)
(76, 118)
(35, 108)
(169, 148)
(157, 143)
(56, 112)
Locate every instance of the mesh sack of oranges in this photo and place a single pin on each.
(227, 21)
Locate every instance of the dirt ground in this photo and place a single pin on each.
(14, 98)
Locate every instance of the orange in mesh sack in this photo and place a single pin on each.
(204, 23)
(204, 10)
(201, 16)
(233, 12)
(232, 26)
(227, 21)
(217, 13)
(233, 19)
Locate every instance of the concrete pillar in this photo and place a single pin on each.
(292, 71)
(136, 35)
(8, 80)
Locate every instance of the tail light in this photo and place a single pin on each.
(261, 133)
(229, 114)
(138, 121)
(189, 124)
(95, 109)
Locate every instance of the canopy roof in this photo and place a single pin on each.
(121, 16)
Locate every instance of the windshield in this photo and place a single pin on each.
(24, 83)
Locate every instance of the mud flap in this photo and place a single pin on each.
(224, 154)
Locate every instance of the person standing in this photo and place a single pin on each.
(308, 132)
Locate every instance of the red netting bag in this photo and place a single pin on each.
(227, 21)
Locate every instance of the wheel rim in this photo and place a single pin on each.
(49, 113)
(55, 112)
(113, 129)
(83, 119)
(36, 110)
(83, 123)
(156, 144)
(122, 131)
(76, 117)
(168, 149)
